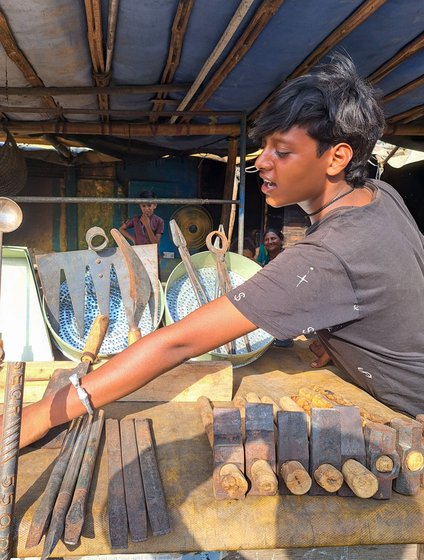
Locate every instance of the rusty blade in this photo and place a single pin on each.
(140, 286)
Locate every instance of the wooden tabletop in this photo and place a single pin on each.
(198, 521)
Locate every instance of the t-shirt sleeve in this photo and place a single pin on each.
(304, 289)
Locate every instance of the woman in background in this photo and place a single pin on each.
(271, 246)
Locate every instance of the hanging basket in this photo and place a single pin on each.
(13, 169)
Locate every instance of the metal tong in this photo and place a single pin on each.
(224, 280)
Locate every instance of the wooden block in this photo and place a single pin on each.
(188, 382)
(185, 383)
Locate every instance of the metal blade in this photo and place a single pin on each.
(140, 285)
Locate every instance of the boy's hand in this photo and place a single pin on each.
(323, 358)
(145, 220)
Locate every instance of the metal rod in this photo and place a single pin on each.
(103, 200)
(242, 185)
(9, 452)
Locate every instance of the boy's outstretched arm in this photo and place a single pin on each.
(205, 329)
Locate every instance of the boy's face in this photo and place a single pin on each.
(147, 208)
(291, 170)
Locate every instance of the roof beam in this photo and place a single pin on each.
(217, 51)
(15, 54)
(404, 89)
(365, 10)
(411, 48)
(179, 28)
(255, 27)
(407, 116)
(125, 129)
(90, 90)
(93, 12)
(116, 112)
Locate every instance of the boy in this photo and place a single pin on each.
(356, 279)
(148, 228)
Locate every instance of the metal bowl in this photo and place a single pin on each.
(68, 339)
(180, 301)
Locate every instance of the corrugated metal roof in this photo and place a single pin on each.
(112, 44)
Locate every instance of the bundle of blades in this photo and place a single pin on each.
(140, 286)
(181, 244)
(60, 377)
(73, 265)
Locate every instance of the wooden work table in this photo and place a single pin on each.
(198, 521)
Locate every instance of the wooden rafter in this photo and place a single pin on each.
(365, 10)
(412, 48)
(179, 27)
(219, 48)
(93, 90)
(255, 27)
(404, 89)
(93, 11)
(15, 54)
(122, 128)
(407, 116)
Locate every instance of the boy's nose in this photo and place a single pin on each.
(263, 161)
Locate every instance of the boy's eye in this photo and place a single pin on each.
(282, 154)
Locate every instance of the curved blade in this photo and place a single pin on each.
(140, 286)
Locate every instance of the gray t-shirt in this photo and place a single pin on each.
(357, 280)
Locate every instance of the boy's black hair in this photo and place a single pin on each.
(333, 105)
(147, 194)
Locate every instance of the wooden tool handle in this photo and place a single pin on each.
(360, 480)
(384, 464)
(95, 338)
(233, 481)
(328, 477)
(134, 335)
(296, 477)
(264, 478)
(206, 412)
(253, 398)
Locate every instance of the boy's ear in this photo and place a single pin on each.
(341, 156)
(154, 206)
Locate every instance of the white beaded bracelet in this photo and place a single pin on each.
(81, 392)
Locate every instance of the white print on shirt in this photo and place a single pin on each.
(356, 307)
(309, 330)
(303, 278)
(366, 373)
(239, 296)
